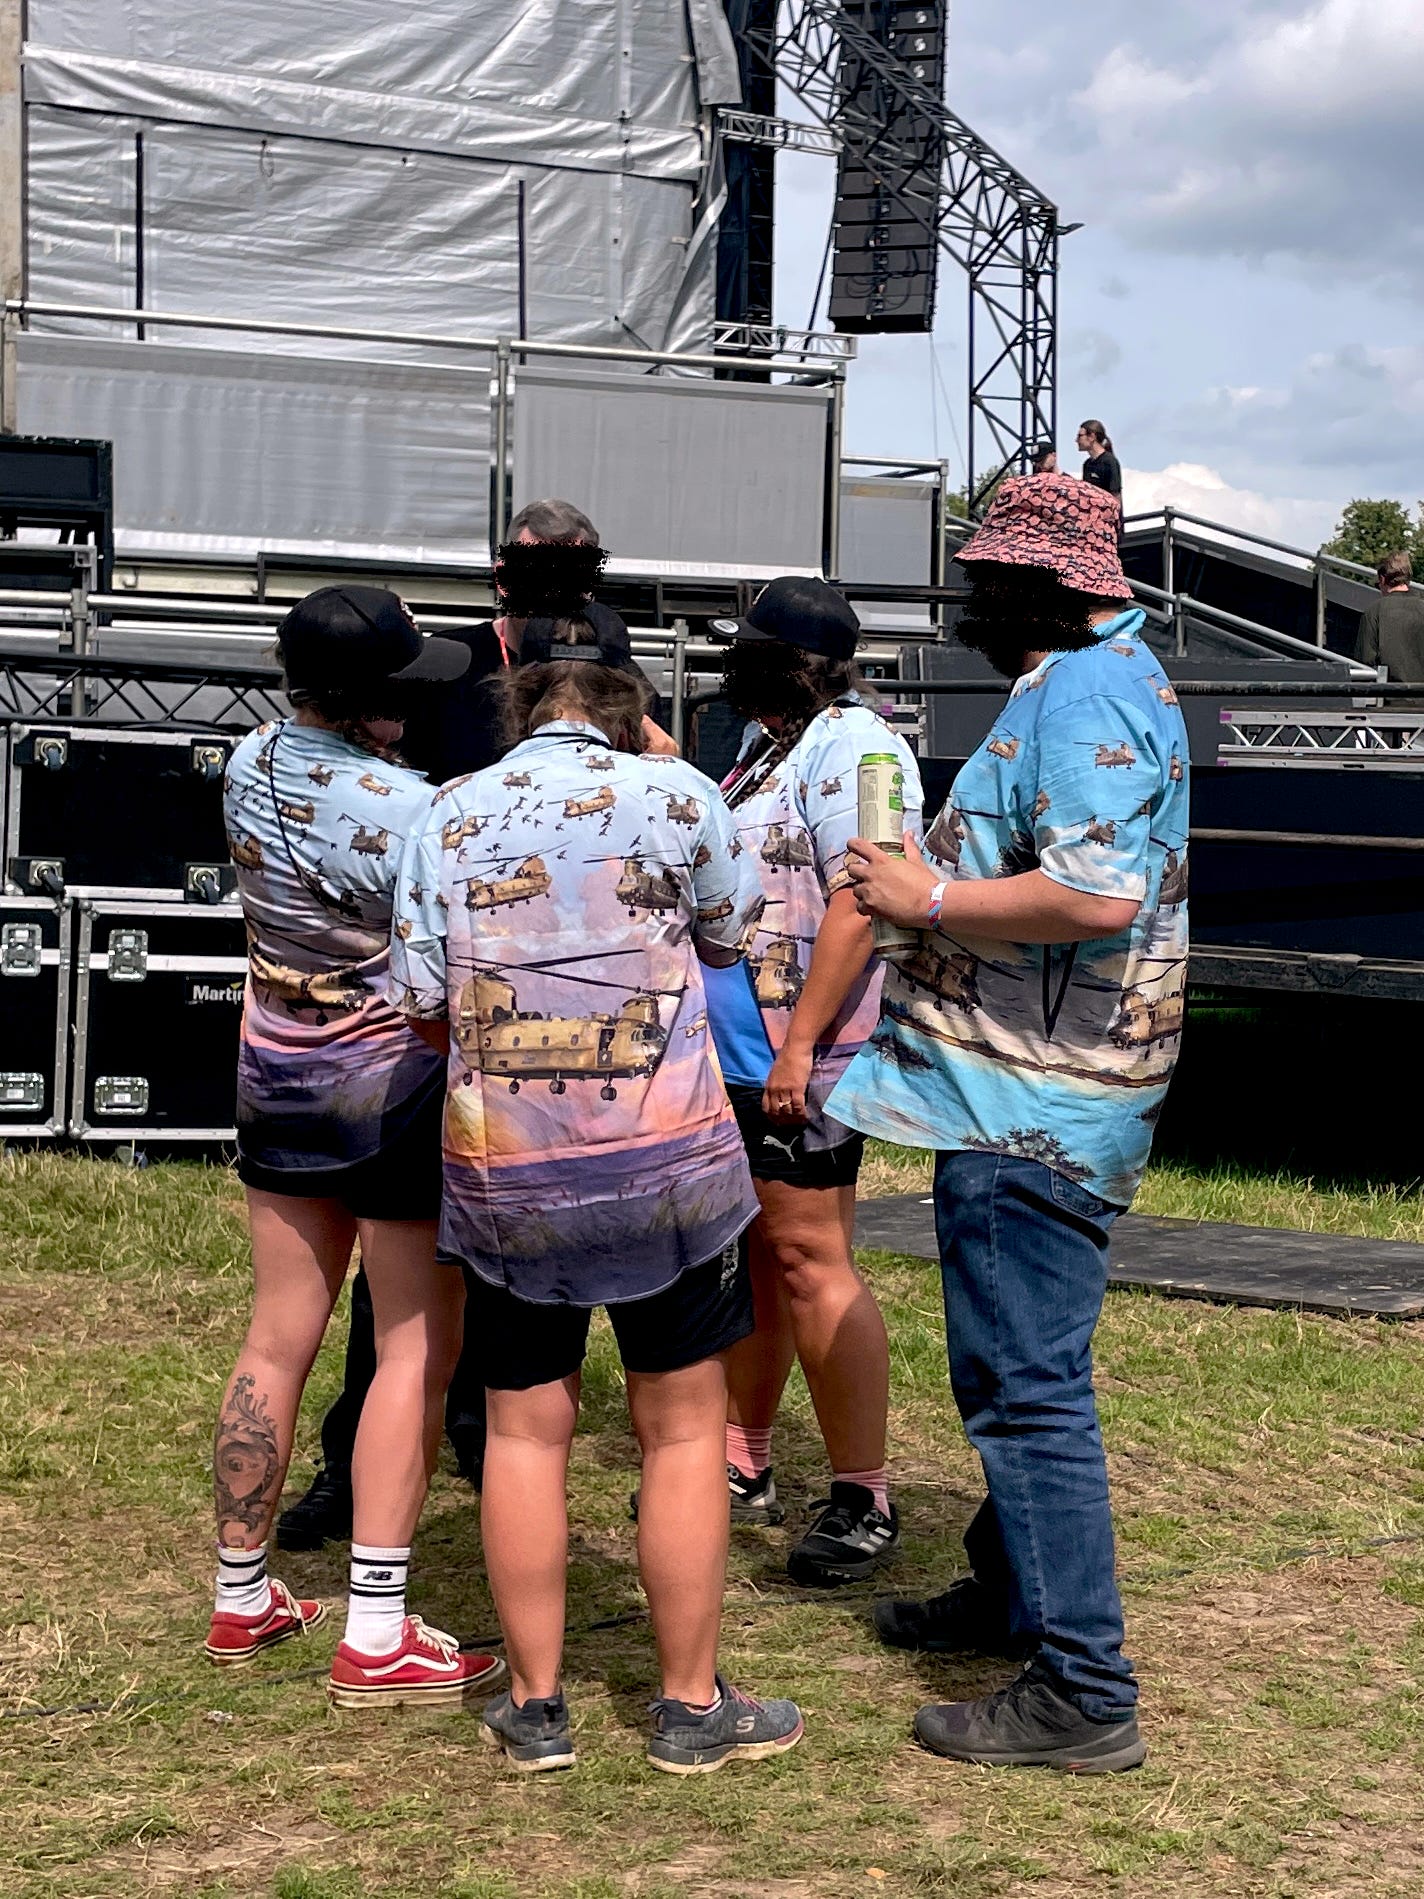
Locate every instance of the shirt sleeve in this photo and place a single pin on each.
(831, 800)
(1100, 780)
(418, 984)
(725, 884)
(1367, 644)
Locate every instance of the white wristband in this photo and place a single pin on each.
(936, 900)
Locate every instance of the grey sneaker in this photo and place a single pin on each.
(848, 1541)
(1031, 1723)
(686, 1741)
(535, 1736)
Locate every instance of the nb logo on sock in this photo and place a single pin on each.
(378, 1575)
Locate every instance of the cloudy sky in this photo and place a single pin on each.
(1242, 307)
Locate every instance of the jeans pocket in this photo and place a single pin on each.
(1075, 1199)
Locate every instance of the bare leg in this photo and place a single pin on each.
(759, 1365)
(524, 1519)
(418, 1305)
(804, 1234)
(300, 1252)
(682, 1518)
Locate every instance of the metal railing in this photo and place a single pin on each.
(1318, 564)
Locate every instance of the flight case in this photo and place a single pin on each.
(104, 811)
(34, 1016)
(158, 1003)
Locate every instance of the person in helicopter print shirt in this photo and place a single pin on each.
(552, 920)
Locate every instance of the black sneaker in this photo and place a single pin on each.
(1031, 1723)
(686, 1741)
(966, 1619)
(848, 1541)
(323, 1515)
(753, 1499)
(535, 1737)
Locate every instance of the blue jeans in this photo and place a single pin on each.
(1024, 1253)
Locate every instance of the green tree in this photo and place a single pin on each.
(1368, 530)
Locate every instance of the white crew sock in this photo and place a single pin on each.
(375, 1609)
(243, 1588)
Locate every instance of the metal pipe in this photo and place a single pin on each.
(833, 478)
(1303, 554)
(1316, 840)
(415, 339)
(679, 680)
(1169, 552)
(1318, 576)
(499, 494)
(12, 197)
(1289, 640)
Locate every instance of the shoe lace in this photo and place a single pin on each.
(436, 1640)
(833, 1517)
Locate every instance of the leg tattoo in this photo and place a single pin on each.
(246, 1463)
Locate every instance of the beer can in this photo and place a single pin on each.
(880, 796)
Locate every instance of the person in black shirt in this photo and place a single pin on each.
(1102, 467)
(1392, 627)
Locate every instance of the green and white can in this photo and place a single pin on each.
(880, 792)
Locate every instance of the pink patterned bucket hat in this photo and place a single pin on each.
(1058, 522)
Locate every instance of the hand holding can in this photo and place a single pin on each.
(880, 788)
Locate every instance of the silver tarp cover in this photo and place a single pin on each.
(350, 162)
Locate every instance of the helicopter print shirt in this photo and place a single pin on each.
(794, 826)
(1054, 1053)
(328, 1072)
(551, 908)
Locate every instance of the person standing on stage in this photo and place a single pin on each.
(1392, 627)
(338, 1118)
(1032, 1050)
(1102, 468)
(787, 1024)
(555, 914)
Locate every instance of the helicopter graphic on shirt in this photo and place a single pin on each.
(786, 851)
(529, 881)
(500, 1040)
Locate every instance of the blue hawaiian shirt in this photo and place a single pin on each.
(1055, 1053)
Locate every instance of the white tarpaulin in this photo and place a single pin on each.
(354, 163)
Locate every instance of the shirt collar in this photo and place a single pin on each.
(1125, 625)
(559, 732)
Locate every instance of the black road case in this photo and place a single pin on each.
(34, 1016)
(157, 1005)
(101, 811)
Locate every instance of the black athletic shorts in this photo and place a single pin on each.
(400, 1182)
(700, 1314)
(776, 1152)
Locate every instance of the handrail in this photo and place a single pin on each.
(1171, 515)
(416, 339)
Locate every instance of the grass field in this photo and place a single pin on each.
(1269, 1474)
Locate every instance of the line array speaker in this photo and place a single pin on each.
(885, 257)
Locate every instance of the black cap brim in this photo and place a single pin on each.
(437, 662)
(739, 630)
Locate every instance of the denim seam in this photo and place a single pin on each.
(1010, 1446)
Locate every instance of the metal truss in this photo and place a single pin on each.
(775, 339)
(1369, 740)
(117, 692)
(997, 226)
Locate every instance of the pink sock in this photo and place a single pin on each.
(871, 1480)
(750, 1451)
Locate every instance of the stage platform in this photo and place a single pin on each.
(1232, 1265)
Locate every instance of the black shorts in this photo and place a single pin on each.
(776, 1152)
(402, 1181)
(700, 1314)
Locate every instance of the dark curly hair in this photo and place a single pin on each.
(772, 679)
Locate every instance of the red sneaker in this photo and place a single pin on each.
(235, 1639)
(427, 1668)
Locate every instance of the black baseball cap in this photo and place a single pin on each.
(799, 611)
(347, 639)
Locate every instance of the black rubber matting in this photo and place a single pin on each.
(1234, 1265)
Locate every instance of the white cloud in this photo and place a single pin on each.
(1197, 489)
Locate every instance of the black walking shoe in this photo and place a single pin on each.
(323, 1515)
(752, 1499)
(848, 1541)
(687, 1741)
(966, 1619)
(535, 1736)
(1031, 1723)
